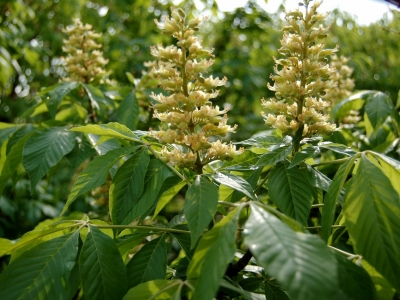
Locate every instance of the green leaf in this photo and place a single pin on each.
(244, 161)
(157, 173)
(80, 153)
(127, 185)
(95, 173)
(247, 295)
(127, 242)
(290, 191)
(57, 94)
(163, 289)
(41, 272)
(274, 156)
(354, 102)
(333, 196)
(213, 253)
(13, 162)
(5, 246)
(128, 111)
(20, 133)
(372, 206)
(262, 141)
(184, 241)
(6, 130)
(235, 182)
(96, 96)
(200, 206)
(167, 196)
(274, 292)
(44, 149)
(103, 273)
(302, 155)
(354, 281)
(149, 263)
(300, 262)
(390, 167)
(378, 108)
(383, 288)
(338, 148)
(318, 179)
(112, 129)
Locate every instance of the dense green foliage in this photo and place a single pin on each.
(87, 194)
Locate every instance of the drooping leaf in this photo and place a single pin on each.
(103, 273)
(128, 242)
(372, 206)
(213, 253)
(354, 281)
(41, 272)
(44, 149)
(333, 196)
(378, 108)
(226, 193)
(19, 134)
(318, 179)
(127, 185)
(300, 262)
(104, 147)
(235, 182)
(112, 129)
(128, 111)
(274, 156)
(147, 290)
(200, 206)
(290, 191)
(6, 130)
(96, 96)
(168, 195)
(302, 155)
(58, 93)
(95, 173)
(157, 173)
(149, 263)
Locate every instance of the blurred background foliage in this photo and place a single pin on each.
(244, 41)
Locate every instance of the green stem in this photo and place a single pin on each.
(139, 227)
(262, 182)
(228, 203)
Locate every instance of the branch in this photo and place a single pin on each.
(234, 269)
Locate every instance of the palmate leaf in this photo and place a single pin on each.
(127, 185)
(128, 111)
(114, 130)
(102, 271)
(235, 182)
(334, 195)
(372, 206)
(41, 272)
(300, 262)
(200, 206)
(160, 289)
(157, 173)
(95, 173)
(378, 108)
(149, 263)
(290, 191)
(44, 149)
(213, 253)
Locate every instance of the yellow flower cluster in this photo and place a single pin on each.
(187, 109)
(302, 77)
(84, 62)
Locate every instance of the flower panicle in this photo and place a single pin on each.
(84, 61)
(185, 109)
(302, 77)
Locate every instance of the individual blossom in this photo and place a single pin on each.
(84, 61)
(302, 77)
(190, 122)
